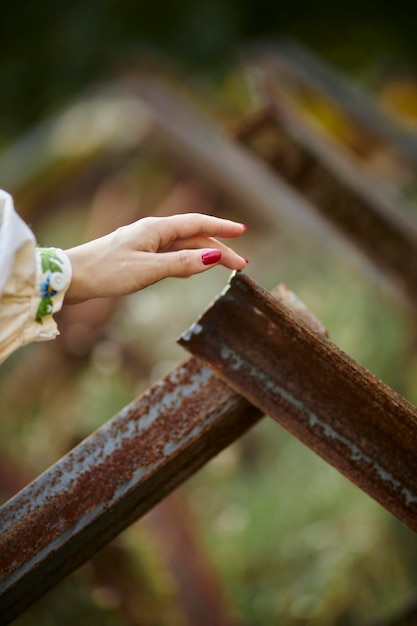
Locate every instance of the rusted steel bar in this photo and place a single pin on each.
(296, 68)
(302, 380)
(198, 142)
(158, 115)
(306, 181)
(198, 587)
(379, 226)
(286, 172)
(112, 478)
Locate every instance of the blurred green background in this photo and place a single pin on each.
(285, 537)
(50, 52)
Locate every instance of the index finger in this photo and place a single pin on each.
(188, 225)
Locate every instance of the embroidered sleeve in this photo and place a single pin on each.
(30, 310)
(53, 276)
(33, 282)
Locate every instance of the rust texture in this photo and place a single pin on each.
(112, 478)
(275, 164)
(379, 227)
(296, 69)
(293, 373)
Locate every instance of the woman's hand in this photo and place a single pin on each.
(140, 254)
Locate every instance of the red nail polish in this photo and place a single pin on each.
(247, 260)
(210, 257)
(244, 226)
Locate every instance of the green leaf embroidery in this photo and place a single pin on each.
(50, 263)
(48, 258)
(44, 308)
(54, 267)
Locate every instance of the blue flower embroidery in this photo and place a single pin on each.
(51, 265)
(46, 289)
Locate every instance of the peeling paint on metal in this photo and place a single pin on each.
(116, 475)
(236, 363)
(195, 329)
(290, 370)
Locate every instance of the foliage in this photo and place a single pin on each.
(51, 52)
(292, 541)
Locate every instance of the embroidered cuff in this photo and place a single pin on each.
(53, 276)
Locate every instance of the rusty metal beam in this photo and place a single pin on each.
(379, 225)
(198, 586)
(302, 380)
(112, 478)
(306, 182)
(294, 65)
(289, 174)
(171, 121)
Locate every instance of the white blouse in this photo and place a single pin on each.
(33, 282)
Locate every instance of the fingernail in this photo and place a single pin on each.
(244, 226)
(210, 257)
(247, 260)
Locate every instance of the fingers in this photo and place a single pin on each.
(229, 257)
(191, 225)
(183, 263)
(142, 253)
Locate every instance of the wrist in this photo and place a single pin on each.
(78, 290)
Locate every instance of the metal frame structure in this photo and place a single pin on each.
(285, 367)
(112, 478)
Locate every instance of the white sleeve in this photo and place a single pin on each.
(33, 282)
